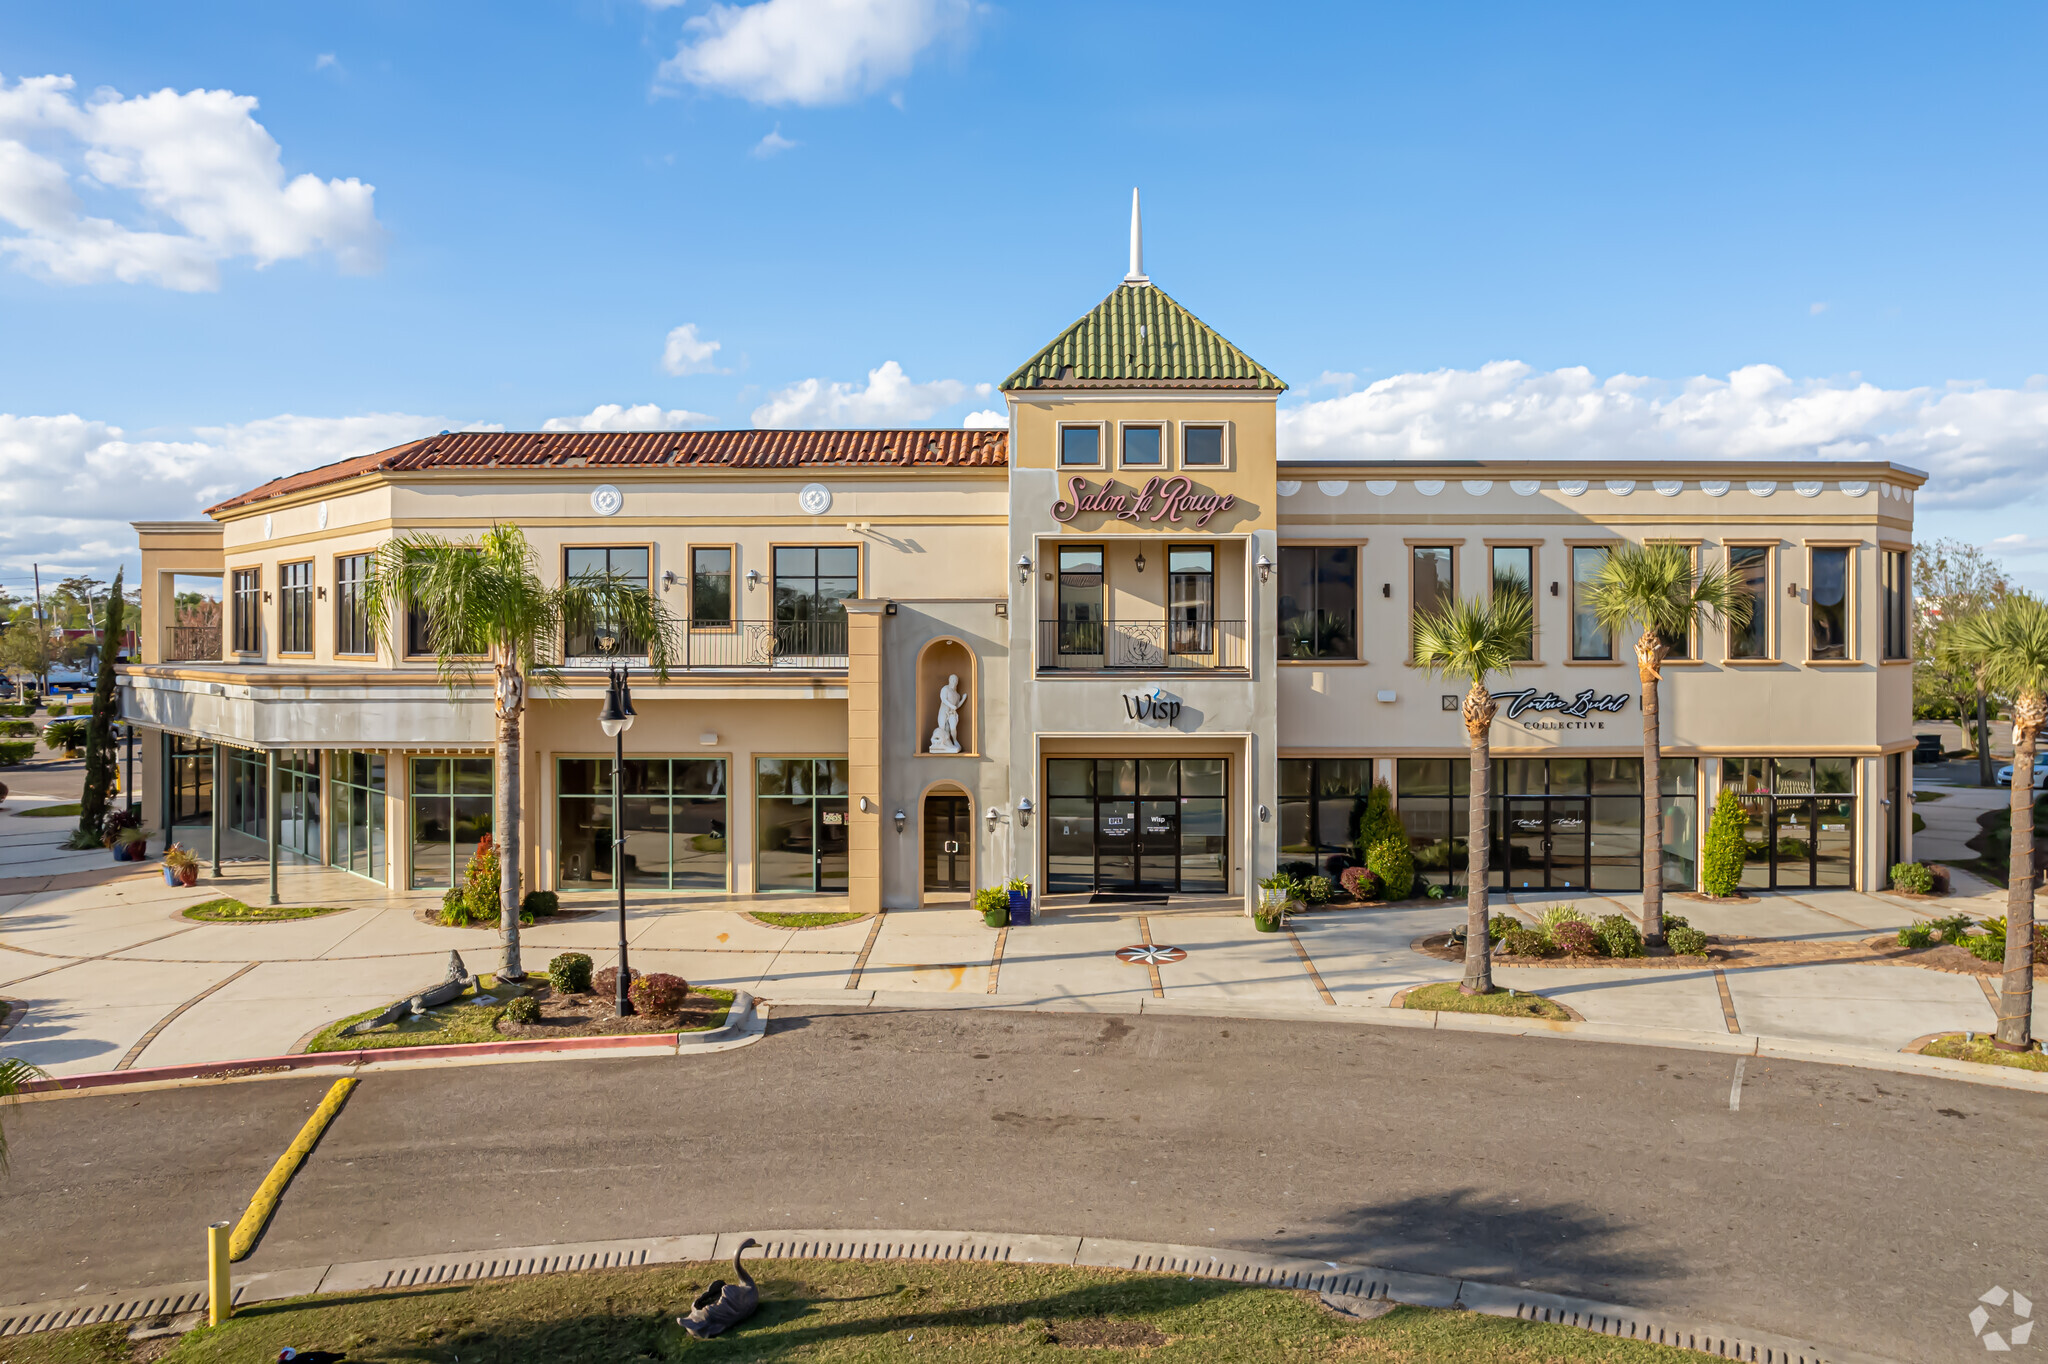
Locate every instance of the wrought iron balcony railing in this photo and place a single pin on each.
(185, 643)
(812, 644)
(1153, 645)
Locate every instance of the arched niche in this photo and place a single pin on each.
(942, 658)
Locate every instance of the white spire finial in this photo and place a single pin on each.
(1137, 275)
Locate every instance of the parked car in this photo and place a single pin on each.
(1928, 748)
(2040, 772)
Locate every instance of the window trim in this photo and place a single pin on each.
(1852, 603)
(860, 577)
(1166, 462)
(312, 616)
(754, 816)
(1103, 461)
(254, 615)
(1535, 548)
(1572, 659)
(1455, 544)
(1229, 450)
(361, 583)
(1357, 657)
(1058, 574)
(734, 581)
(1772, 558)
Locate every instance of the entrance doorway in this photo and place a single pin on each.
(1548, 842)
(948, 844)
(1137, 826)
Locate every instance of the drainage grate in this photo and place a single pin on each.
(168, 1302)
(977, 1249)
(458, 1270)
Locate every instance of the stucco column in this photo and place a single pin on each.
(864, 753)
(219, 804)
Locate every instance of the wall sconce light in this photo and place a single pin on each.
(1024, 813)
(992, 816)
(1553, 587)
(1265, 567)
(900, 817)
(266, 597)
(1141, 561)
(1792, 591)
(753, 576)
(867, 806)
(322, 592)
(1386, 589)
(1023, 568)
(669, 579)
(1264, 814)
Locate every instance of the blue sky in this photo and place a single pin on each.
(1456, 231)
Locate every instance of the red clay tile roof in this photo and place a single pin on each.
(950, 447)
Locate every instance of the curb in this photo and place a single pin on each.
(744, 1024)
(1249, 1267)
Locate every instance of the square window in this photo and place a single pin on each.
(1144, 446)
(1201, 446)
(1080, 445)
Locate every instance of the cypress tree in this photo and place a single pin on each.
(100, 753)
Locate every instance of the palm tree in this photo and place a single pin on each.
(1655, 587)
(485, 604)
(13, 1075)
(1468, 640)
(2011, 645)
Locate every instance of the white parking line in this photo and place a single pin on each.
(1735, 1089)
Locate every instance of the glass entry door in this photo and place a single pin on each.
(1155, 826)
(1545, 840)
(948, 844)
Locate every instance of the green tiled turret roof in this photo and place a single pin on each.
(1139, 337)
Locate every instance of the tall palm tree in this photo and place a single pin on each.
(2011, 643)
(1961, 642)
(1469, 640)
(1656, 589)
(13, 1075)
(486, 605)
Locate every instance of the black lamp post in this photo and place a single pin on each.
(615, 719)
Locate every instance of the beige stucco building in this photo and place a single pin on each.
(1179, 662)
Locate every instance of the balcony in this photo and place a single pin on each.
(810, 645)
(1141, 646)
(191, 643)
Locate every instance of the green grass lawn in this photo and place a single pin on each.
(817, 1312)
(1520, 1005)
(1955, 1048)
(68, 810)
(227, 910)
(822, 919)
(458, 1022)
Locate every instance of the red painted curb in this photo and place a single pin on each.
(266, 1065)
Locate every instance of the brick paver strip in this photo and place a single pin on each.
(995, 961)
(860, 963)
(1151, 967)
(1308, 964)
(134, 1053)
(1727, 1001)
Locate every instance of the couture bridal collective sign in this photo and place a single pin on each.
(1161, 499)
(1546, 710)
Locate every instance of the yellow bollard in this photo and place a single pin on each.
(220, 1294)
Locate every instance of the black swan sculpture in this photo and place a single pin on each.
(723, 1304)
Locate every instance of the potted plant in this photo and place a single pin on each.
(131, 845)
(1277, 900)
(181, 866)
(993, 904)
(1019, 893)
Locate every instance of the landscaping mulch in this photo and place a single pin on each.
(1737, 953)
(1942, 957)
(590, 1015)
(1439, 945)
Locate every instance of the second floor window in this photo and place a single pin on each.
(1432, 587)
(1514, 574)
(1830, 613)
(812, 583)
(352, 605)
(1752, 564)
(1318, 601)
(1898, 636)
(1080, 445)
(1191, 599)
(1201, 446)
(626, 564)
(1144, 447)
(295, 608)
(1680, 645)
(711, 586)
(1080, 605)
(1590, 639)
(248, 623)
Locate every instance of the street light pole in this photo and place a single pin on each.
(615, 719)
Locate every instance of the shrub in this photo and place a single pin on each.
(659, 994)
(1984, 947)
(1995, 927)
(64, 734)
(1318, 890)
(1378, 820)
(119, 822)
(1916, 935)
(1296, 872)
(1524, 942)
(1363, 883)
(1562, 914)
(1575, 938)
(536, 903)
(18, 729)
(1721, 860)
(17, 708)
(1672, 921)
(455, 907)
(605, 984)
(56, 710)
(524, 1009)
(569, 973)
(1498, 926)
(1686, 941)
(1620, 936)
(1391, 860)
(15, 752)
(480, 881)
(1951, 928)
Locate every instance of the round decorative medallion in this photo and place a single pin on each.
(1429, 487)
(1669, 487)
(1333, 487)
(606, 500)
(1714, 487)
(1379, 487)
(1572, 487)
(1150, 954)
(1621, 487)
(320, 517)
(1287, 487)
(1526, 487)
(815, 499)
(1478, 487)
(1808, 489)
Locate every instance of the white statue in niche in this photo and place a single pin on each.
(946, 733)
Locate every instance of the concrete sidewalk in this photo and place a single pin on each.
(111, 976)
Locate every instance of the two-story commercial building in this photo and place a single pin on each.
(1119, 649)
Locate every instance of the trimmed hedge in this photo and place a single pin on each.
(15, 752)
(18, 729)
(1913, 878)
(538, 903)
(1391, 860)
(606, 983)
(570, 973)
(1721, 860)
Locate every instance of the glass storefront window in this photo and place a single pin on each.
(356, 792)
(1590, 639)
(1434, 798)
(1800, 820)
(675, 822)
(1137, 824)
(1318, 601)
(452, 808)
(800, 831)
(1679, 781)
(1321, 800)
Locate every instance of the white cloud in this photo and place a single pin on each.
(198, 163)
(986, 419)
(808, 51)
(54, 468)
(326, 60)
(890, 399)
(772, 143)
(2018, 544)
(1816, 309)
(1984, 446)
(687, 353)
(1343, 380)
(641, 417)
